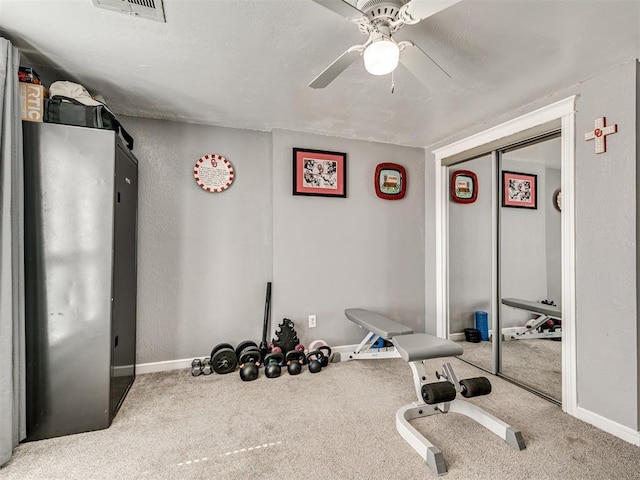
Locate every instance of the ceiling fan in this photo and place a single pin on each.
(380, 19)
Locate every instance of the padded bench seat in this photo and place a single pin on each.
(422, 346)
(534, 307)
(376, 323)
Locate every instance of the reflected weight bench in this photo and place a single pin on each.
(541, 327)
(436, 397)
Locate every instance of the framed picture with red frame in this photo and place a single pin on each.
(319, 173)
(519, 190)
(390, 181)
(464, 186)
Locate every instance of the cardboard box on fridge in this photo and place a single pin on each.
(32, 101)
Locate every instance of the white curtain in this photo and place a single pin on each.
(12, 356)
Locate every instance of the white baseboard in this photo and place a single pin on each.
(625, 433)
(165, 366)
(508, 331)
(168, 365)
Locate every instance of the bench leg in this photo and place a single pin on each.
(364, 351)
(509, 434)
(531, 331)
(431, 454)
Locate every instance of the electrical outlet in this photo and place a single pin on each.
(312, 321)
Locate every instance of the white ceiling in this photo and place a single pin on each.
(247, 63)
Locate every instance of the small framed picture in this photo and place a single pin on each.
(464, 186)
(390, 181)
(319, 173)
(519, 190)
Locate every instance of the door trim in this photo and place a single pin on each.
(559, 114)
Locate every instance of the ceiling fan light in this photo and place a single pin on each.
(381, 57)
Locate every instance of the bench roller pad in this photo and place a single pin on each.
(421, 346)
(382, 326)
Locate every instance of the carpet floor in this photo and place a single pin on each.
(337, 424)
(536, 363)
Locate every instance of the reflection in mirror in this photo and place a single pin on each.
(530, 268)
(470, 262)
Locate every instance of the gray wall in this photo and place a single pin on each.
(523, 247)
(361, 251)
(606, 242)
(204, 258)
(470, 249)
(553, 238)
(606, 289)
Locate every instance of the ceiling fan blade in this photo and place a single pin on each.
(342, 8)
(337, 67)
(422, 66)
(421, 9)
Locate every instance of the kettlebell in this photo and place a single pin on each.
(250, 363)
(272, 364)
(314, 360)
(294, 360)
(325, 351)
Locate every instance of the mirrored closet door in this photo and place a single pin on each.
(504, 263)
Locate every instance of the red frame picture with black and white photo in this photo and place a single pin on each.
(519, 190)
(319, 173)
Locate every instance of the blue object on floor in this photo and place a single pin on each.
(482, 324)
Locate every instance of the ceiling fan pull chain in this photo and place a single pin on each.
(393, 83)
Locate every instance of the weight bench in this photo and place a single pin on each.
(437, 397)
(538, 327)
(440, 397)
(377, 327)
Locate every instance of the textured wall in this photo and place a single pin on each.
(523, 247)
(359, 251)
(554, 238)
(606, 248)
(471, 250)
(203, 258)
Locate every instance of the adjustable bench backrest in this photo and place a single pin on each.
(381, 326)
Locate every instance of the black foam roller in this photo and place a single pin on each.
(438, 392)
(474, 387)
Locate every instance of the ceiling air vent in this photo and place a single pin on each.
(149, 9)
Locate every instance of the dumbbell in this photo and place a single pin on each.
(196, 367)
(250, 359)
(295, 360)
(206, 366)
(273, 348)
(273, 364)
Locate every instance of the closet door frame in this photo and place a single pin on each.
(559, 115)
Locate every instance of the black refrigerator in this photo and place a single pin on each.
(81, 200)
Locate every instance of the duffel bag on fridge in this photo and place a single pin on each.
(80, 110)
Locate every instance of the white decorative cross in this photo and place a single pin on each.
(600, 133)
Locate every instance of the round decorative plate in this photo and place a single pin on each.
(213, 173)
